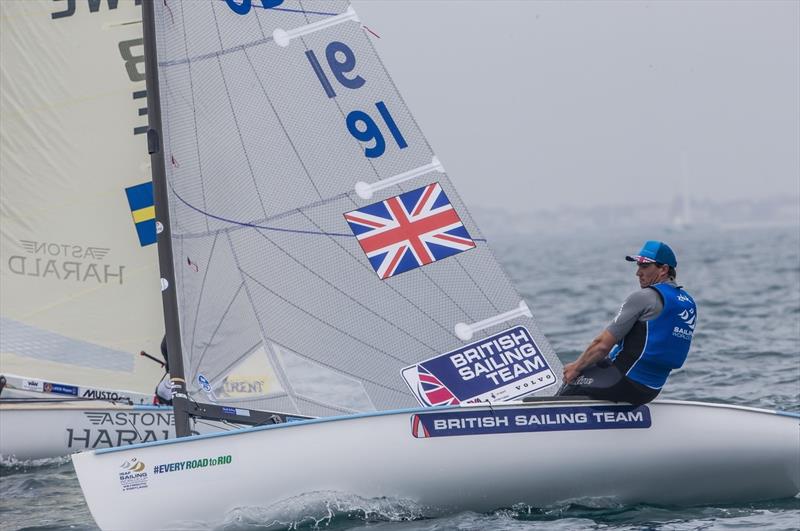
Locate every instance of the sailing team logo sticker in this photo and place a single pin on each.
(409, 230)
(532, 419)
(133, 475)
(497, 368)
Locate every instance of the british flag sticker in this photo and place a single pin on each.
(409, 230)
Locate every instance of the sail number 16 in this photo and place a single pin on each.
(341, 61)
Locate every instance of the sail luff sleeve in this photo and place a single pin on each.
(165, 257)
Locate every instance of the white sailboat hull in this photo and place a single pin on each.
(40, 431)
(691, 453)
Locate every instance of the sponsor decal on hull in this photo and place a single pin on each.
(497, 368)
(133, 475)
(119, 428)
(190, 464)
(520, 420)
(98, 394)
(60, 389)
(33, 385)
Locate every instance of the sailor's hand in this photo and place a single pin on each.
(571, 371)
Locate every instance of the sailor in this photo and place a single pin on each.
(649, 337)
(163, 395)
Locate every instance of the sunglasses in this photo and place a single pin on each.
(644, 265)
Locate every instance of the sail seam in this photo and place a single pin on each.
(321, 320)
(194, 119)
(326, 281)
(241, 140)
(214, 333)
(279, 371)
(202, 289)
(280, 123)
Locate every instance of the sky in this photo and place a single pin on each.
(537, 105)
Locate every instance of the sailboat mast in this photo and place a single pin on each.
(168, 294)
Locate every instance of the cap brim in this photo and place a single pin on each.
(640, 259)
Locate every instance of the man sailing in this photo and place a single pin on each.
(650, 336)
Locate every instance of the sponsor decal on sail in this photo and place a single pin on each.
(66, 262)
(243, 386)
(409, 230)
(566, 418)
(497, 368)
(119, 428)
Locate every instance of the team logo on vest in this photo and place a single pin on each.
(685, 332)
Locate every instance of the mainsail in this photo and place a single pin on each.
(313, 232)
(78, 268)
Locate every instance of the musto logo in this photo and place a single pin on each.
(63, 261)
(132, 476)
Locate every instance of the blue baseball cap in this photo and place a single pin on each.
(654, 252)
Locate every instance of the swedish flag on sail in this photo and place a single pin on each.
(140, 199)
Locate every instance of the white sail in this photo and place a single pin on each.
(79, 284)
(311, 220)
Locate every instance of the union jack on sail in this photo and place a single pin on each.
(409, 230)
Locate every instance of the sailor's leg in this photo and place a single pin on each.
(605, 382)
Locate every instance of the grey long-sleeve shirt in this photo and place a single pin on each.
(642, 305)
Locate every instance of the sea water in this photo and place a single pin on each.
(746, 351)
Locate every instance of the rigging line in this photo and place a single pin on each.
(276, 229)
(202, 286)
(280, 122)
(236, 121)
(368, 268)
(214, 333)
(221, 425)
(194, 118)
(331, 326)
(360, 304)
(301, 10)
(280, 373)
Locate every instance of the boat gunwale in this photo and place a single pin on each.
(504, 405)
(77, 404)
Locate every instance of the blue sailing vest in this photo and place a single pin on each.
(653, 348)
